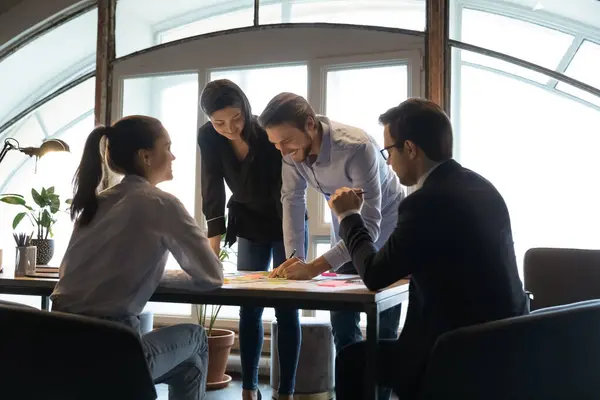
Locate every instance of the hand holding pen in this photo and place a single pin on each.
(279, 271)
(346, 199)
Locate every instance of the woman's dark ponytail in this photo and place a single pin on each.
(88, 178)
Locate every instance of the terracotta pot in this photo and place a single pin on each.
(220, 342)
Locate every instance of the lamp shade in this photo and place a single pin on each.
(53, 145)
(47, 146)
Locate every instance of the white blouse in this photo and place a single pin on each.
(113, 265)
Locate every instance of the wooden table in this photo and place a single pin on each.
(177, 290)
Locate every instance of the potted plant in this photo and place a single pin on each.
(220, 341)
(42, 217)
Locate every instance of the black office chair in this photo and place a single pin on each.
(54, 355)
(558, 276)
(551, 354)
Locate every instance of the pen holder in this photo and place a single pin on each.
(25, 260)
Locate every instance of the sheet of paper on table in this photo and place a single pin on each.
(261, 280)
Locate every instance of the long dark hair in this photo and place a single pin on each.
(223, 93)
(124, 139)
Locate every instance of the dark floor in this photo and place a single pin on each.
(231, 392)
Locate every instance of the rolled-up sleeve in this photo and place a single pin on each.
(363, 171)
(190, 247)
(293, 203)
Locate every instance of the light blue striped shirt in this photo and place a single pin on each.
(348, 157)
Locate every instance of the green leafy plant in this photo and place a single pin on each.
(43, 215)
(202, 312)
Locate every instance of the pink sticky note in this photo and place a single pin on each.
(332, 283)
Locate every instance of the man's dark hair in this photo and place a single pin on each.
(422, 122)
(286, 108)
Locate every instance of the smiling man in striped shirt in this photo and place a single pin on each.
(329, 155)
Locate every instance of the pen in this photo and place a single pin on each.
(293, 254)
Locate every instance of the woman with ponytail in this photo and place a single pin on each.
(119, 246)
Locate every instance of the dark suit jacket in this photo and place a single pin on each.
(454, 238)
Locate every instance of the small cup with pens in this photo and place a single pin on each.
(26, 254)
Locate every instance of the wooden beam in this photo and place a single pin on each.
(437, 53)
(105, 56)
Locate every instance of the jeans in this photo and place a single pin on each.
(254, 256)
(177, 355)
(346, 329)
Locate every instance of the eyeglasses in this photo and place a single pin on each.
(385, 151)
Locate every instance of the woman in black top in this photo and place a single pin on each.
(236, 150)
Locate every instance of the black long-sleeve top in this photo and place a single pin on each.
(255, 205)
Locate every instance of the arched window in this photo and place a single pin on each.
(142, 24)
(532, 134)
(50, 94)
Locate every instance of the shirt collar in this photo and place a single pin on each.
(134, 179)
(424, 177)
(324, 156)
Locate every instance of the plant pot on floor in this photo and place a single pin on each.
(220, 342)
(45, 250)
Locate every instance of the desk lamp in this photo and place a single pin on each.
(47, 146)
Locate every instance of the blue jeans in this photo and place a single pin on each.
(254, 256)
(177, 355)
(346, 329)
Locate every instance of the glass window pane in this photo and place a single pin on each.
(524, 156)
(54, 169)
(582, 12)
(584, 67)
(346, 86)
(173, 100)
(406, 14)
(525, 40)
(261, 84)
(27, 75)
(28, 133)
(65, 108)
(476, 59)
(141, 24)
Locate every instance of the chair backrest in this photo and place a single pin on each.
(51, 355)
(561, 276)
(553, 354)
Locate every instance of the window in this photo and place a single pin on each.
(141, 24)
(525, 155)
(584, 67)
(44, 64)
(525, 40)
(582, 13)
(173, 100)
(406, 14)
(261, 84)
(69, 117)
(354, 96)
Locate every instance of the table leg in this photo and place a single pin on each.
(372, 350)
(45, 303)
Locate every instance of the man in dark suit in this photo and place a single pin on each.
(453, 238)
